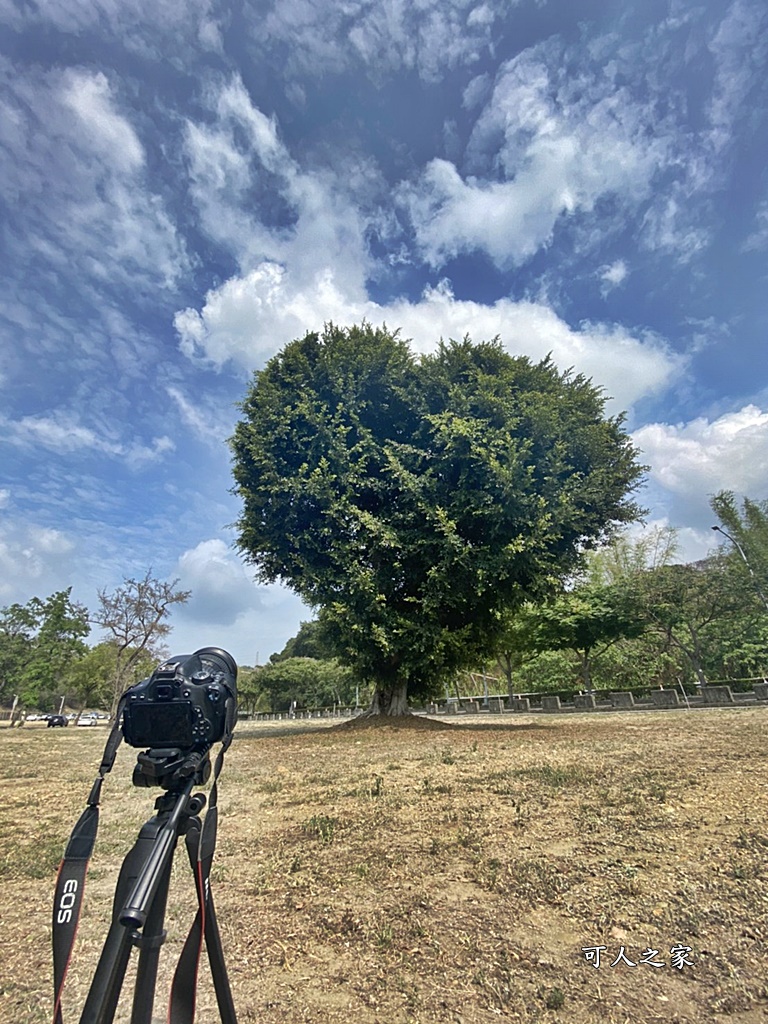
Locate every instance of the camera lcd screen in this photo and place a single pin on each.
(159, 724)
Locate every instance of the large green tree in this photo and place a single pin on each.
(39, 641)
(414, 499)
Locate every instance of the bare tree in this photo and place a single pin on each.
(134, 619)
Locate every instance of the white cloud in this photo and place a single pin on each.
(248, 319)
(228, 609)
(34, 560)
(317, 225)
(545, 149)
(78, 165)
(695, 460)
(110, 135)
(613, 275)
(740, 50)
(758, 238)
(205, 418)
(153, 30)
(62, 433)
(430, 37)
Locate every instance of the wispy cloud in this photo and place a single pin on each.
(204, 417)
(430, 37)
(64, 434)
(545, 147)
(149, 29)
(76, 185)
(254, 197)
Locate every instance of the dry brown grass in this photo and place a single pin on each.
(395, 875)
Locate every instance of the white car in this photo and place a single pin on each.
(87, 720)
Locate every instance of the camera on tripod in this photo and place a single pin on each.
(186, 705)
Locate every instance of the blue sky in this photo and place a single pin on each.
(188, 185)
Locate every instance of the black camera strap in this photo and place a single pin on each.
(70, 881)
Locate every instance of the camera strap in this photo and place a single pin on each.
(70, 881)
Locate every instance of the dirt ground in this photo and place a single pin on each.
(397, 875)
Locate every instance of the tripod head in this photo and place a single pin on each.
(172, 768)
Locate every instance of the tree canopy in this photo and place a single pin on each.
(38, 642)
(413, 500)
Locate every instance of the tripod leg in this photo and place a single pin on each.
(108, 978)
(152, 938)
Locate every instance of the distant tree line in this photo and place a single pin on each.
(635, 617)
(45, 662)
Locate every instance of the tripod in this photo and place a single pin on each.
(141, 895)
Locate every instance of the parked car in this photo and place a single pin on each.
(87, 720)
(57, 720)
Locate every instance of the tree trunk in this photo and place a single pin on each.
(505, 663)
(585, 673)
(390, 699)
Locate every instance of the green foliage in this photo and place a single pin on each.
(309, 642)
(747, 529)
(252, 698)
(683, 604)
(311, 682)
(588, 620)
(38, 643)
(89, 680)
(414, 500)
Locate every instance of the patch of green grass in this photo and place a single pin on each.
(270, 786)
(321, 826)
(554, 999)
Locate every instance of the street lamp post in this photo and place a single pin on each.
(740, 549)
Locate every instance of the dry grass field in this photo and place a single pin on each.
(450, 874)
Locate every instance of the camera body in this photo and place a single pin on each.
(187, 704)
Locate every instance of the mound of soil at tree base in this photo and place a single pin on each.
(419, 722)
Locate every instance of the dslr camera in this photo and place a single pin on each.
(187, 704)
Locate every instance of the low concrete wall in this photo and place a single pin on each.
(521, 704)
(717, 694)
(622, 699)
(761, 691)
(665, 698)
(551, 704)
(496, 705)
(584, 701)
